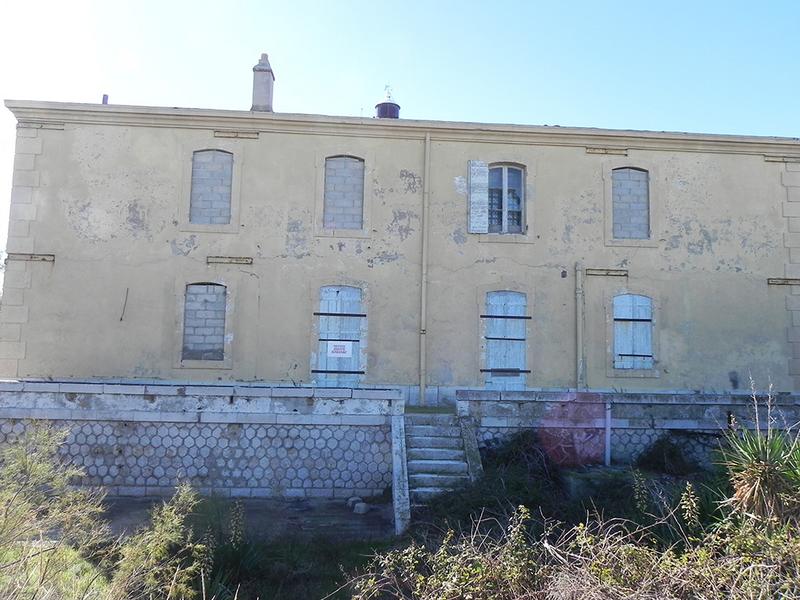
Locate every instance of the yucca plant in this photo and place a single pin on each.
(764, 467)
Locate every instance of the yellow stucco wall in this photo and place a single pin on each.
(108, 196)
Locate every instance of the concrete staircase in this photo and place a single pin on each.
(436, 457)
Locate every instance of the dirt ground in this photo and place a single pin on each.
(269, 518)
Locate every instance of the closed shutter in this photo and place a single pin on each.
(633, 332)
(343, 322)
(505, 325)
(478, 197)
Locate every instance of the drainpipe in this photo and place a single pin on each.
(580, 360)
(607, 453)
(423, 287)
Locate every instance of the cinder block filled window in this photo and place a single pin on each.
(204, 322)
(633, 332)
(505, 340)
(344, 193)
(212, 173)
(496, 198)
(630, 190)
(342, 336)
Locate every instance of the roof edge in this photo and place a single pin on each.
(88, 113)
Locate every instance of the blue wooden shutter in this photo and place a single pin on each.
(505, 340)
(478, 197)
(344, 301)
(633, 332)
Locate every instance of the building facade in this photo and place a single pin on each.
(181, 244)
(284, 286)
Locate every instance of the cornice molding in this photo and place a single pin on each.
(249, 124)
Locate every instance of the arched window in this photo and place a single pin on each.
(342, 336)
(204, 322)
(633, 332)
(506, 199)
(630, 191)
(343, 203)
(505, 340)
(210, 200)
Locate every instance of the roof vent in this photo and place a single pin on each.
(387, 108)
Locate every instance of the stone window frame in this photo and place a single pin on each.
(233, 147)
(368, 157)
(655, 194)
(529, 195)
(180, 301)
(352, 159)
(315, 286)
(611, 371)
(502, 284)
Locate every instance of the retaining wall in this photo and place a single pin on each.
(578, 428)
(243, 441)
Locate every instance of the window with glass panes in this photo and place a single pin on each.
(506, 199)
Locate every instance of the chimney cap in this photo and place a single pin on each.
(263, 65)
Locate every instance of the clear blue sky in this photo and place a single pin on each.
(718, 67)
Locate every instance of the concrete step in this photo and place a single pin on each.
(425, 441)
(434, 430)
(423, 494)
(426, 480)
(436, 467)
(431, 419)
(435, 454)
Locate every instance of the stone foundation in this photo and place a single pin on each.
(231, 441)
(579, 428)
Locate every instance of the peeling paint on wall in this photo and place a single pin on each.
(401, 223)
(296, 240)
(136, 221)
(383, 258)
(459, 237)
(460, 185)
(411, 181)
(183, 247)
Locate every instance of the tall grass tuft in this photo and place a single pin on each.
(763, 464)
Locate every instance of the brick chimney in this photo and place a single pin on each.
(263, 78)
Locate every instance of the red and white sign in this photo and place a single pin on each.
(340, 349)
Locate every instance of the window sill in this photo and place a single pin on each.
(344, 233)
(197, 228)
(614, 373)
(205, 364)
(632, 243)
(504, 238)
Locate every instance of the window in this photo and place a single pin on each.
(505, 200)
(496, 198)
(633, 332)
(204, 322)
(342, 335)
(505, 340)
(210, 198)
(630, 192)
(343, 203)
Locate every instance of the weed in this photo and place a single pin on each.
(764, 468)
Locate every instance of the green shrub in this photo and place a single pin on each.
(162, 561)
(516, 471)
(49, 533)
(764, 469)
(666, 456)
(474, 566)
